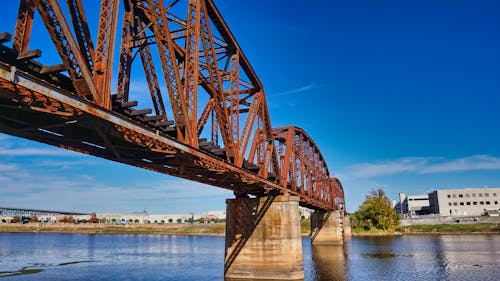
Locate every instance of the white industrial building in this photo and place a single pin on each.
(452, 202)
(465, 202)
(413, 204)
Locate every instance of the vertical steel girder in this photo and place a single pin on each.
(234, 106)
(151, 77)
(103, 58)
(125, 64)
(24, 25)
(195, 54)
(191, 64)
(82, 31)
(71, 56)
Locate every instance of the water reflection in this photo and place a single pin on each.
(329, 262)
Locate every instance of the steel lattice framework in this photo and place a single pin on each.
(209, 120)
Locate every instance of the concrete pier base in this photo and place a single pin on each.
(326, 227)
(263, 239)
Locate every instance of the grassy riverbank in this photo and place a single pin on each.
(179, 229)
(217, 229)
(476, 228)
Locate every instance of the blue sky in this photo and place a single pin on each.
(399, 95)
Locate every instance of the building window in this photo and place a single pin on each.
(473, 194)
(460, 196)
(449, 203)
(486, 194)
(479, 195)
(449, 196)
(454, 196)
(461, 203)
(487, 202)
(467, 195)
(474, 203)
(496, 202)
(494, 194)
(468, 203)
(454, 203)
(481, 203)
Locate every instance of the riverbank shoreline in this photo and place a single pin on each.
(170, 229)
(219, 229)
(437, 229)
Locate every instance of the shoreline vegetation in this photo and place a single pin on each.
(429, 229)
(218, 229)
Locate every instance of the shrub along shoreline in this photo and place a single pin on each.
(426, 229)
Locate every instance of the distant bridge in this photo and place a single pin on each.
(14, 211)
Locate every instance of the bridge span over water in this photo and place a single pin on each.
(208, 119)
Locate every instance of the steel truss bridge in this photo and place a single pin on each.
(208, 119)
(15, 211)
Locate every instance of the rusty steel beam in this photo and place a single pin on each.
(82, 32)
(191, 66)
(103, 58)
(72, 57)
(24, 25)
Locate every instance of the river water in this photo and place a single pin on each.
(47, 256)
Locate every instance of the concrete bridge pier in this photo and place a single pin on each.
(263, 239)
(327, 227)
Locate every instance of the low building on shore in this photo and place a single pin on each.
(465, 202)
(452, 202)
(413, 204)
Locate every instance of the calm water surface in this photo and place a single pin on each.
(44, 256)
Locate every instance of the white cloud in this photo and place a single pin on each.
(7, 167)
(366, 170)
(35, 152)
(475, 162)
(422, 165)
(297, 90)
(82, 192)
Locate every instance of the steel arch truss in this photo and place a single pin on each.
(203, 93)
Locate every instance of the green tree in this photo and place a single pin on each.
(170, 220)
(375, 213)
(179, 220)
(201, 220)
